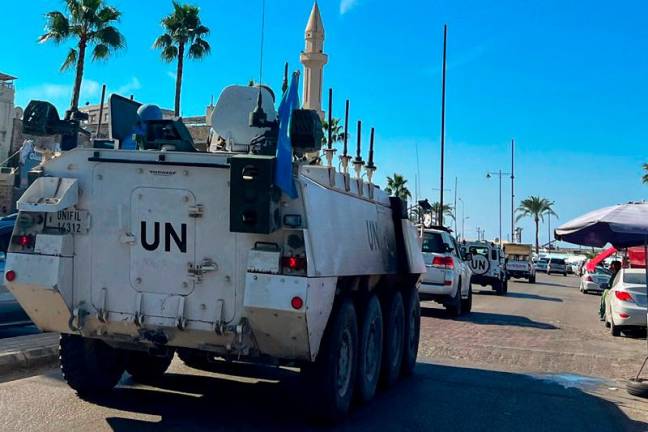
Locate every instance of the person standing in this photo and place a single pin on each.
(615, 266)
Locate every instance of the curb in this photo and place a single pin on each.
(42, 353)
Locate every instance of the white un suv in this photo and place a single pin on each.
(447, 280)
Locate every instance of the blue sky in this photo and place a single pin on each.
(568, 80)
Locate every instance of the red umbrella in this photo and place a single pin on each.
(591, 264)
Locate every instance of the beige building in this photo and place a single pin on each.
(7, 113)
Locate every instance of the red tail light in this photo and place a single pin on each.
(294, 263)
(24, 240)
(10, 275)
(439, 261)
(623, 296)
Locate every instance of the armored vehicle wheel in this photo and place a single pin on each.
(454, 306)
(466, 305)
(394, 319)
(412, 330)
(90, 366)
(370, 347)
(145, 367)
(331, 379)
(194, 358)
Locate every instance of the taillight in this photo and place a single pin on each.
(24, 240)
(589, 278)
(623, 296)
(293, 263)
(440, 261)
(10, 275)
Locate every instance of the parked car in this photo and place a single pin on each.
(595, 281)
(625, 304)
(447, 280)
(11, 314)
(557, 265)
(541, 264)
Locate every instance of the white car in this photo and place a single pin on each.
(596, 281)
(541, 264)
(447, 280)
(625, 304)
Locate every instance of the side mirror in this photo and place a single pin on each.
(447, 248)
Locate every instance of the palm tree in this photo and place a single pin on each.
(645, 176)
(337, 132)
(396, 187)
(91, 24)
(447, 210)
(536, 207)
(182, 27)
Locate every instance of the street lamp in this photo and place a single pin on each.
(499, 174)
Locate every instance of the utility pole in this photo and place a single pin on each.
(499, 174)
(513, 190)
(454, 209)
(443, 93)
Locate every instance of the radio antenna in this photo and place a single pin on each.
(262, 41)
(258, 117)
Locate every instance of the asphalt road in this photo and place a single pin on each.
(470, 379)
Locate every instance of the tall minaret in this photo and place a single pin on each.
(314, 59)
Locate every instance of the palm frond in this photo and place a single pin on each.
(100, 52)
(199, 49)
(108, 13)
(163, 41)
(110, 37)
(70, 60)
(57, 28)
(169, 53)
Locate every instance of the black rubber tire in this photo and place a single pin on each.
(637, 387)
(394, 341)
(330, 404)
(370, 347)
(565, 274)
(194, 358)
(466, 305)
(412, 333)
(145, 367)
(90, 366)
(614, 330)
(505, 287)
(454, 306)
(532, 279)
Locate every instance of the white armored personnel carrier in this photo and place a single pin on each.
(134, 255)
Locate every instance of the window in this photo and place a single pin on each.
(494, 254)
(433, 243)
(557, 261)
(634, 278)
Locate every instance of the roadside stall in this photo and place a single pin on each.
(623, 226)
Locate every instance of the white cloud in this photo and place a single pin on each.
(128, 88)
(347, 5)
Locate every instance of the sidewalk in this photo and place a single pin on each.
(22, 354)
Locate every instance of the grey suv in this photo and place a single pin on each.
(557, 265)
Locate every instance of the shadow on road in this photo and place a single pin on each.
(435, 398)
(487, 318)
(522, 296)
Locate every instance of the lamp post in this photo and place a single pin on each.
(499, 174)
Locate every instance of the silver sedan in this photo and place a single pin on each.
(625, 304)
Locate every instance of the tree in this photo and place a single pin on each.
(337, 132)
(447, 210)
(91, 24)
(645, 176)
(536, 208)
(182, 27)
(396, 187)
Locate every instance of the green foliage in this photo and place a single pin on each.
(90, 23)
(536, 207)
(337, 132)
(396, 186)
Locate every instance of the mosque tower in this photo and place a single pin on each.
(314, 59)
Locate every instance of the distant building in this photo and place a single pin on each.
(7, 113)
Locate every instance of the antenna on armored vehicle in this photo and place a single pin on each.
(284, 85)
(329, 151)
(345, 158)
(370, 167)
(258, 117)
(358, 162)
